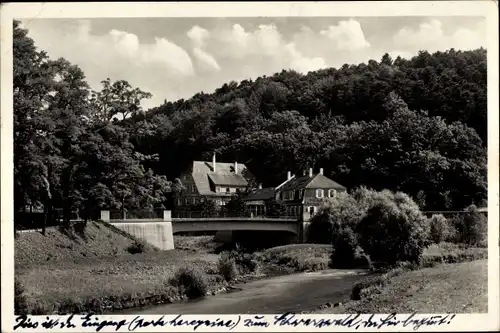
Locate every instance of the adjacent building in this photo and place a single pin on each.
(305, 194)
(212, 181)
(302, 195)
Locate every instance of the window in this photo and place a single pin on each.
(217, 189)
(228, 190)
(193, 188)
(331, 193)
(319, 193)
(179, 202)
(301, 194)
(193, 201)
(233, 189)
(311, 210)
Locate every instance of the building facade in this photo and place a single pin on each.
(214, 181)
(302, 195)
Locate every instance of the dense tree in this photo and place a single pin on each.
(68, 152)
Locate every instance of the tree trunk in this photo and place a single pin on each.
(44, 225)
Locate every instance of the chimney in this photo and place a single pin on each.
(235, 167)
(260, 186)
(288, 175)
(213, 162)
(310, 172)
(321, 170)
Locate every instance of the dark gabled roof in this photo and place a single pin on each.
(321, 181)
(316, 181)
(261, 194)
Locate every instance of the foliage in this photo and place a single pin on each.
(275, 208)
(68, 153)
(236, 205)
(394, 230)
(472, 227)
(343, 210)
(192, 282)
(227, 267)
(439, 228)
(245, 263)
(346, 253)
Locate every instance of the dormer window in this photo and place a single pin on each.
(320, 193)
(332, 193)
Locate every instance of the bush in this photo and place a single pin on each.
(190, 281)
(394, 230)
(246, 263)
(346, 253)
(439, 229)
(137, 247)
(472, 227)
(20, 301)
(227, 268)
(343, 210)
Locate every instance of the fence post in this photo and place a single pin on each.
(105, 215)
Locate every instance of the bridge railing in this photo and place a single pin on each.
(226, 214)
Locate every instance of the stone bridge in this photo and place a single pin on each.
(159, 231)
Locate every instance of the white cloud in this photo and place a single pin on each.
(346, 35)
(235, 52)
(431, 36)
(303, 64)
(198, 35)
(206, 60)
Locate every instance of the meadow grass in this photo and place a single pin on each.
(449, 278)
(457, 288)
(104, 284)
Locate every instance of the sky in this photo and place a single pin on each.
(175, 58)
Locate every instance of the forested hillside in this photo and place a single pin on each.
(417, 126)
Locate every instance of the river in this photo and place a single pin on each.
(290, 293)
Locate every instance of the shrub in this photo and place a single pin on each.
(246, 263)
(137, 247)
(20, 301)
(227, 268)
(191, 281)
(394, 230)
(343, 210)
(439, 228)
(344, 246)
(471, 227)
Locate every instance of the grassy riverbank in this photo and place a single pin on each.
(67, 284)
(108, 283)
(459, 273)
